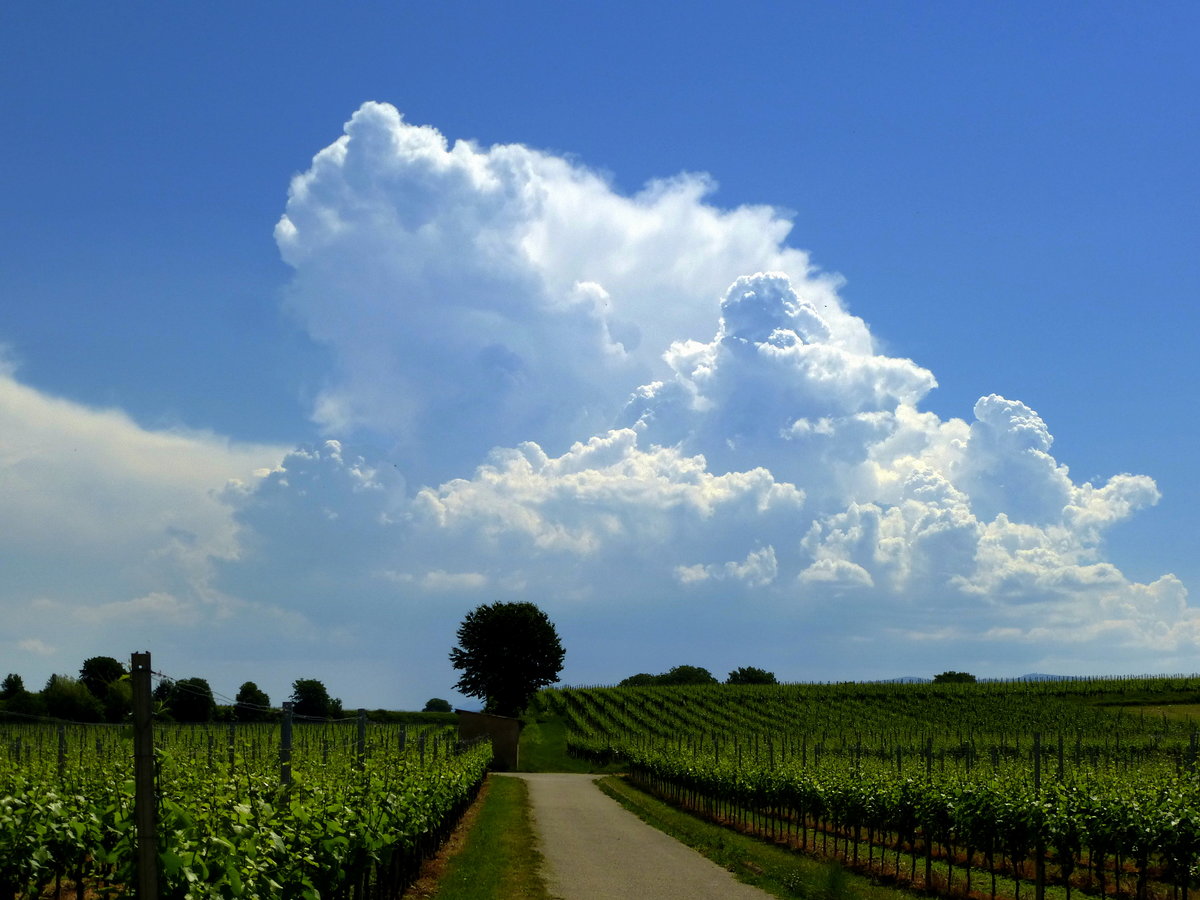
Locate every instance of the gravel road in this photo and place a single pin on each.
(597, 850)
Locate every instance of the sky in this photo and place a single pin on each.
(847, 340)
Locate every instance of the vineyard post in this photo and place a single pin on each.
(1039, 862)
(232, 754)
(62, 749)
(285, 745)
(361, 749)
(143, 777)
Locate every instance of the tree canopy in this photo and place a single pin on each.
(68, 698)
(506, 652)
(251, 703)
(954, 678)
(751, 675)
(13, 685)
(192, 701)
(310, 698)
(437, 704)
(98, 672)
(676, 675)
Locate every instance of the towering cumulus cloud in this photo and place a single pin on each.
(474, 297)
(646, 405)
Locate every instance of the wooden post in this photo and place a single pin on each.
(144, 807)
(1039, 863)
(361, 749)
(62, 750)
(285, 746)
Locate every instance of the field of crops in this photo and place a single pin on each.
(356, 819)
(955, 788)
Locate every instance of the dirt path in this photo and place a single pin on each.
(597, 850)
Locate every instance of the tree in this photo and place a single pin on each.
(954, 678)
(192, 701)
(13, 685)
(687, 675)
(251, 704)
(437, 704)
(641, 679)
(751, 675)
(99, 672)
(506, 651)
(25, 703)
(118, 701)
(67, 698)
(310, 698)
(677, 675)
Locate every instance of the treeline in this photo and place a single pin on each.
(685, 675)
(102, 693)
(681, 675)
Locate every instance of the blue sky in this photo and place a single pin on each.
(197, 296)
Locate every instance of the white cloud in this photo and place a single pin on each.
(37, 646)
(111, 529)
(643, 412)
(476, 297)
(759, 568)
(502, 297)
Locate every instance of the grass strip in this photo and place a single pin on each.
(776, 870)
(500, 859)
(544, 749)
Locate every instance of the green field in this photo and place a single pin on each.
(986, 789)
(356, 813)
(993, 788)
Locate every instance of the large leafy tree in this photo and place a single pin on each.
(98, 672)
(310, 698)
(68, 698)
(105, 678)
(506, 651)
(192, 701)
(251, 703)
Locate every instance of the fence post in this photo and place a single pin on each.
(361, 749)
(62, 750)
(144, 808)
(285, 746)
(1039, 845)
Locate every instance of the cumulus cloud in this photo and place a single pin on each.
(481, 296)
(644, 412)
(110, 527)
(664, 388)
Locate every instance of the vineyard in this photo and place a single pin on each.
(351, 812)
(974, 789)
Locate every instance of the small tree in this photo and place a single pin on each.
(67, 698)
(751, 675)
(954, 678)
(13, 685)
(506, 651)
(312, 699)
(251, 704)
(687, 675)
(192, 701)
(641, 679)
(98, 672)
(437, 704)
